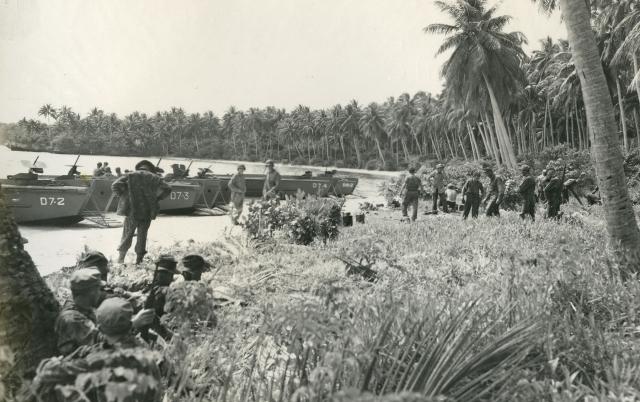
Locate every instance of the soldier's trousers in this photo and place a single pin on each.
(129, 229)
(493, 208)
(439, 195)
(237, 203)
(410, 199)
(529, 208)
(471, 203)
(553, 209)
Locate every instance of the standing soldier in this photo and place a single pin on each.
(495, 193)
(238, 187)
(118, 172)
(194, 266)
(271, 182)
(139, 194)
(472, 193)
(438, 180)
(570, 186)
(540, 183)
(411, 188)
(553, 194)
(163, 277)
(527, 191)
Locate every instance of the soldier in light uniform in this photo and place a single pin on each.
(495, 194)
(438, 186)
(271, 182)
(238, 187)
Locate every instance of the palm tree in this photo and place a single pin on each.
(484, 58)
(619, 215)
(47, 111)
(350, 125)
(372, 126)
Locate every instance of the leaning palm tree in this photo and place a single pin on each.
(372, 126)
(619, 215)
(484, 58)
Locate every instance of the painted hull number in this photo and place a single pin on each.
(180, 195)
(52, 201)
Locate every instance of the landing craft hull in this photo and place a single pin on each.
(210, 191)
(322, 186)
(345, 186)
(182, 198)
(46, 204)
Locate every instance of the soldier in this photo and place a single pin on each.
(438, 180)
(139, 194)
(472, 193)
(194, 266)
(527, 191)
(553, 194)
(76, 323)
(495, 194)
(118, 172)
(96, 259)
(571, 184)
(412, 187)
(238, 187)
(540, 183)
(271, 182)
(163, 277)
(118, 349)
(98, 171)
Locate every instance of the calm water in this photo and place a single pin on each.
(54, 247)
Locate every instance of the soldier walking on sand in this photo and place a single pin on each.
(438, 180)
(411, 188)
(495, 193)
(238, 187)
(527, 191)
(553, 194)
(271, 182)
(472, 193)
(139, 193)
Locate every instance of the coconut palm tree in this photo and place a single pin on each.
(619, 215)
(484, 58)
(372, 126)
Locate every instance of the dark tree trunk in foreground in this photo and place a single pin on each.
(28, 308)
(619, 214)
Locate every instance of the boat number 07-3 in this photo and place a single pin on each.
(180, 195)
(52, 201)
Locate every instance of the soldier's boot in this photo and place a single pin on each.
(121, 256)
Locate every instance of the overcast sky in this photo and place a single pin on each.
(149, 55)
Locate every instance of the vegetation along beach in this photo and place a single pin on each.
(296, 273)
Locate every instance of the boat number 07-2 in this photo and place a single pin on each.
(52, 201)
(180, 195)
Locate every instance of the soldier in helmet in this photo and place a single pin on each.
(527, 191)
(411, 188)
(194, 266)
(238, 187)
(166, 269)
(495, 194)
(438, 181)
(271, 182)
(553, 194)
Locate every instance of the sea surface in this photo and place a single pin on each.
(53, 247)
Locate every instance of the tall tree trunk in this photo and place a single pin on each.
(384, 163)
(635, 73)
(635, 120)
(623, 119)
(544, 125)
(501, 130)
(619, 215)
(464, 153)
(355, 146)
(404, 148)
(553, 137)
(28, 308)
(486, 139)
(435, 148)
(496, 150)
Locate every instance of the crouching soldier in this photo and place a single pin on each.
(162, 279)
(472, 193)
(527, 190)
(118, 349)
(194, 266)
(411, 188)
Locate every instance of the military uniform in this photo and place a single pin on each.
(472, 192)
(412, 185)
(271, 183)
(553, 194)
(139, 193)
(527, 191)
(238, 187)
(118, 350)
(438, 180)
(76, 325)
(157, 297)
(496, 193)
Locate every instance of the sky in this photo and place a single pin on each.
(148, 55)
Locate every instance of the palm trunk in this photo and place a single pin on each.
(384, 163)
(619, 215)
(488, 145)
(355, 146)
(623, 120)
(494, 146)
(635, 120)
(501, 130)
(435, 148)
(635, 74)
(404, 148)
(544, 125)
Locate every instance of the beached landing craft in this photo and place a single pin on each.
(44, 201)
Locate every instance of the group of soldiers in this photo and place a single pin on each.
(238, 187)
(103, 169)
(548, 188)
(100, 317)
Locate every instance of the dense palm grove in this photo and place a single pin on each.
(497, 103)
